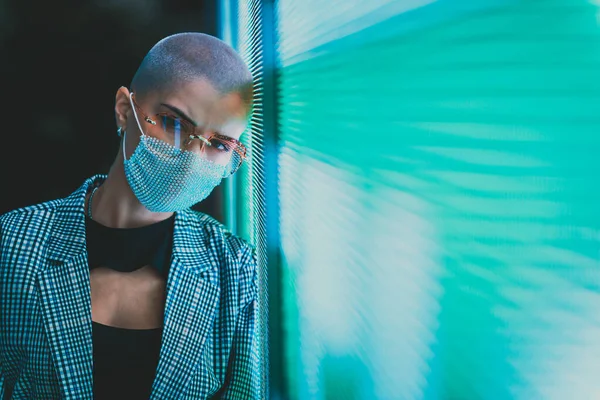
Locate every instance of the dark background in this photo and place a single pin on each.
(61, 65)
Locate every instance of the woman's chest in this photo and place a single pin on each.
(132, 300)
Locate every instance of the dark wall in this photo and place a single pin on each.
(61, 64)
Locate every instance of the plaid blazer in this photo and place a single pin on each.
(208, 350)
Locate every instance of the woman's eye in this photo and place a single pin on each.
(219, 145)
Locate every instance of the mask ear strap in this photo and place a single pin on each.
(134, 112)
(123, 140)
(136, 120)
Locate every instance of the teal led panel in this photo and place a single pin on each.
(440, 218)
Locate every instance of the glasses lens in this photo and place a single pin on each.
(225, 152)
(219, 149)
(175, 130)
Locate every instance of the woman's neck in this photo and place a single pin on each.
(115, 205)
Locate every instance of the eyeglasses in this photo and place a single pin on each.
(180, 133)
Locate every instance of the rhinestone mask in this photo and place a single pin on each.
(165, 178)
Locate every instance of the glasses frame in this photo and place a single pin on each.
(241, 149)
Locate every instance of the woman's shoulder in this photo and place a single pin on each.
(43, 214)
(219, 233)
(31, 217)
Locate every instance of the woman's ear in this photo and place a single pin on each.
(122, 107)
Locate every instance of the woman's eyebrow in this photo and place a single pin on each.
(191, 121)
(179, 113)
(227, 137)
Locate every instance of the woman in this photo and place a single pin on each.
(120, 290)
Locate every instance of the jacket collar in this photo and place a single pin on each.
(65, 300)
(67, 239)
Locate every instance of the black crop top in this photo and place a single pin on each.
(125, 360)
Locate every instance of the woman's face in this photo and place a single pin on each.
(199, 104)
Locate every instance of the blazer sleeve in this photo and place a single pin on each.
(3, 393)
(245, 379)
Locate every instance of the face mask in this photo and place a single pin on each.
(165, 178)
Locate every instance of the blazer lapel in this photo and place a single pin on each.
(191, 302)
(65, 302)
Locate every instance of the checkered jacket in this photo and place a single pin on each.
(208, 350)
